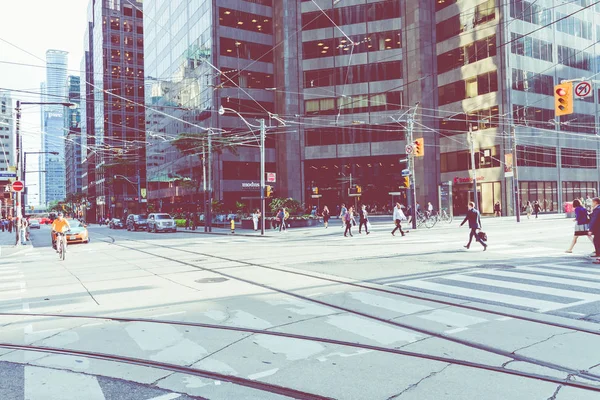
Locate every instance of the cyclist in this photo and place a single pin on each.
(60, 225)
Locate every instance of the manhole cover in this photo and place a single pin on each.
(212, 280)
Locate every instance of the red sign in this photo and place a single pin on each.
(17, 186)
(467, 180)
(271, 177)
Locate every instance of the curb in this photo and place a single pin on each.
(221, 234)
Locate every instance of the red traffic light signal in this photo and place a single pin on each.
(419, 146)
(563, 99)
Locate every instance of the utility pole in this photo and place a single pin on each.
(411, 167)
(204, 187)
(263, 132)
(515, 176)
(18, 195)
(473, 170)
(208, 222)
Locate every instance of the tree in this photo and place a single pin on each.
(193, 143)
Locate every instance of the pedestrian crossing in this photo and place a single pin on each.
(558, 284)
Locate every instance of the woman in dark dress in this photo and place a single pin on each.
(326, 216)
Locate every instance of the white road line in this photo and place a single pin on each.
(263, 374)
(168, 396)
(555, 270)
(524, 287)
(531, 275)
(479, 294)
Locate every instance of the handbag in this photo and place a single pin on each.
(482, 236)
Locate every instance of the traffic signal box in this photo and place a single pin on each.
(563, 99)
(406, 182)
(419, 146)
(269, 190)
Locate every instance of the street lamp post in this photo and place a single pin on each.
(19, 148)
(136, 184)
(263, 129)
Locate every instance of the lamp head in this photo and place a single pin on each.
(221, 110)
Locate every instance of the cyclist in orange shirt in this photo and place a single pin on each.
(61, 225)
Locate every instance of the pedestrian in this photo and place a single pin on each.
(408, 214)
(497, 209)
(10, 224)
(528, 209)
(582, 220)
(24, 227)
(595, 227)
(326, 216)
(343, 212)
(255, 218)
(363, 219)
(474, 219)
(429, 209)
(281, 220)
(349, 221)
(398, 217)
(536, 208)
(232, 223)
(2, 224)
(187, 221)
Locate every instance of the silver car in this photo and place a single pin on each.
(160, 222)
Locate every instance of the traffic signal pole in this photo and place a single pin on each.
(515, 176)
(411, 166)
(263, 132)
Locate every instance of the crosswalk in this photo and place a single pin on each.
(569, 285)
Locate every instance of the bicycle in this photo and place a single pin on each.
(61, 245)
(445, 217)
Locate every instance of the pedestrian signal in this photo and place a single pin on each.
(419, 146)
(406, 182)
(563, 99)
(269, 191)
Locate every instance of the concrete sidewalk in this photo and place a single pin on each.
(8, 247)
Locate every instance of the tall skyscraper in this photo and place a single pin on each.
(7, 147)
(115, 120)
(73, 140)
(54, 133)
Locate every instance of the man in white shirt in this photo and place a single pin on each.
(398, 217)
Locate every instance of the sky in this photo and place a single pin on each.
(36, 26)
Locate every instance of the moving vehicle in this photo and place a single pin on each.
(34, 224)
(160, 222)
(116, 223)
(136, 221)
(77, 234)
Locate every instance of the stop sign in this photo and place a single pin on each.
(17, 186)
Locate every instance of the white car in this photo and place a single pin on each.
(160, 222)
(34, 224)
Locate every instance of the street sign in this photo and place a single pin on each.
(316, 196)
(17, 186)
(583, 89)
(406, 172)
(395, 193)
(271, 177)
(409, 149)
(8, 174)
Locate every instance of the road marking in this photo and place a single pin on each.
(524, 273)
(168, 396)
(373, 330)
(263, 374)
(450, 318)
(387, 303)
(479, 294)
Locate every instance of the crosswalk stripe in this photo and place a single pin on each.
(560, 270)
(519, 272)
(480, 294)
(524, 287)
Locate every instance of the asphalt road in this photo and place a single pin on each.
(307, 311)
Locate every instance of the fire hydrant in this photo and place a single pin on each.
(232, 225)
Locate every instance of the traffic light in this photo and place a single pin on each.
(269, 190)
(563, 99)
(358, 189)
(419, 146)
(315, 190)
(406, 182)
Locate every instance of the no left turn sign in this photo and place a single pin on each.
(583, 89)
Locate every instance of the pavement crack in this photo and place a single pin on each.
(553, 397)
(414, 385)
(304, 320)
(542, 341)
(506, 363)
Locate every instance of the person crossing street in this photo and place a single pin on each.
(398, 217)
(364, 220)
(474, 219)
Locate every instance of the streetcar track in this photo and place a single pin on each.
(467, 343)
(254, 384)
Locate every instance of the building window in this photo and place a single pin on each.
(530, 12)
(353, 74)
(377, 41)
(468, 54)
(574, 58)
(246, 50)
(532, 82)
(461, 90)
(354, 104)
(576, 190)
(465, 22)
(575, 122)
(525, 45)
(573, 26)
(533, 116)
(578, 158)
(545, 193)
(461, 160)
(479, 119)
(359, 13)
(536, 156)
(246, 21)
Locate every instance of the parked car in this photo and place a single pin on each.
(34, 224)
(116, 223)
(136, 222)
(159, 222)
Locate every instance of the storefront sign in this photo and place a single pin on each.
(250, 186)
(458, 179)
